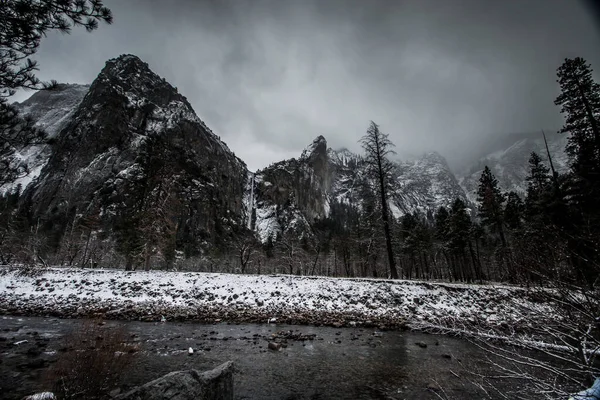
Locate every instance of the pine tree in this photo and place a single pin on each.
(23, 23)
(409, 238)
(491, 202)
(477, 235)
(513, 212)
(441, 224)
(580, 103)
(459, 226)
(441, 234)
(539, 175)
(377, 147)
(538, 186)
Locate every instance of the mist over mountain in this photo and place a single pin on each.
(100, 133)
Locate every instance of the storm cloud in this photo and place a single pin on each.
(269, 76)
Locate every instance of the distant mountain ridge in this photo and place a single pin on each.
(105, 133)
(51, 110)
(292, 194)
(510, 165)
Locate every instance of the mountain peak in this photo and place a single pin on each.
(127, 59)
(434, 156)
(125, 67)
(320, 139)
(318, 146)
(131, 81)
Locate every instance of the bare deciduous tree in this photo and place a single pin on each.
(377, 147)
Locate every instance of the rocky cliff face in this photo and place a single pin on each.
(425, 185)
(289, 195)
(51, 110)
(134, 138)
(292, 194)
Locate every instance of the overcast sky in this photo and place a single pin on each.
(269, 76)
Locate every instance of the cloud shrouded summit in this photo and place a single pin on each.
(269, 76)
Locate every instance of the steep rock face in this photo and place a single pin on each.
(51, 110)
(347, 177)
(132, 138)
(425, 185)
(510, 165)
(291, 194)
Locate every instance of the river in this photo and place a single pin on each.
(345, 363)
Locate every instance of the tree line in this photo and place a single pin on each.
(549, 232)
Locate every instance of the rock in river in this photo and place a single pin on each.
(216, 384)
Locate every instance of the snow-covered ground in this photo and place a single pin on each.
(210, 297)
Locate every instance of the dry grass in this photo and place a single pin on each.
(91, 362)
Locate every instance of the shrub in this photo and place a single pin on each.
(93, 359)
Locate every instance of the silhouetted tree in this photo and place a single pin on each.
(491, 202)
(459, 225)
(513, 212)
(23, 23)
(377, 146)
(537, 184)
(580, 105)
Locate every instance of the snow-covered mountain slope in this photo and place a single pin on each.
(348, 177)
(51, 111)
(510, 165)
(132, 139)
(291, 195)
(425, 185)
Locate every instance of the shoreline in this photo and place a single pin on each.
(297, 300)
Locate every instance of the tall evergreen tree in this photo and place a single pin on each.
(378, 147)
(513, 212)
(441, 224)
(539, 174)
(491, 202)
(580, 103)
(459, 225)
(538, 186)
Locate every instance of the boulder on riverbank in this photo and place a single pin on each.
(216, 384)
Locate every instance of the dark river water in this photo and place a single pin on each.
(345, 363)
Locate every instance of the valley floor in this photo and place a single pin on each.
(216, 297)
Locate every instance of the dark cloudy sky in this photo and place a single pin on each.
(269, 76)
